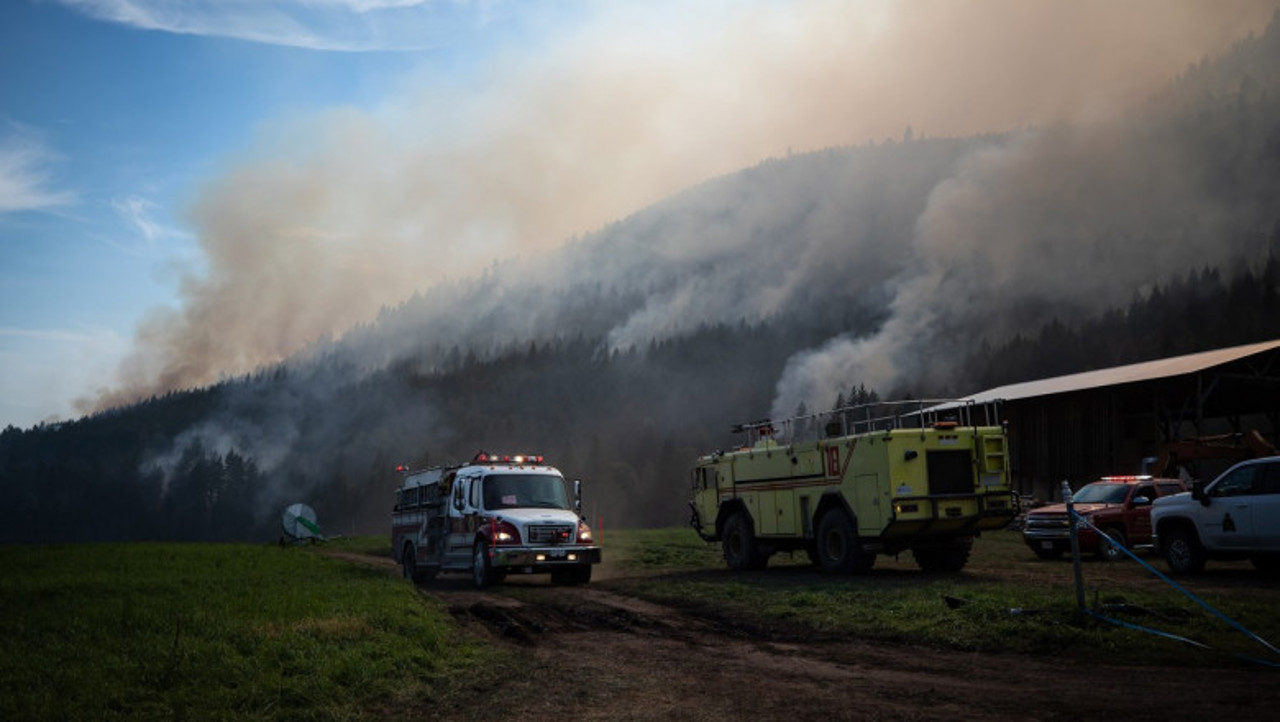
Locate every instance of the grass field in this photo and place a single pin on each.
(1006, 600)
(175, 631)
(149, 631)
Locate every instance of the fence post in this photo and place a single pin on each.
(1069, 499)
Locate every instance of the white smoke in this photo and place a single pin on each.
(328, 219)
(1077, 218)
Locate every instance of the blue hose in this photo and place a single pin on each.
(1079, 519)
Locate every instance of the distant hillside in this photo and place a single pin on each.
(928, 266)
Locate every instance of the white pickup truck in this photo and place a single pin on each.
(1236, 516)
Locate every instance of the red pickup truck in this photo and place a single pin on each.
(1119, 505)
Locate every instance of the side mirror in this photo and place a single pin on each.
(1197, 493)
(1141, 501)
(577, 496)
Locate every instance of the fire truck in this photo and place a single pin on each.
(492, 516)
(880, 478)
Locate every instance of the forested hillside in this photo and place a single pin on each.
(925, 266)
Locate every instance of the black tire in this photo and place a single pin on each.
(408, 566)
(482, 572)
(950, 556)
(839, 550)
(811, 551)
(570, 576)
(1113, 552)
(1182, 552)
(741, 552)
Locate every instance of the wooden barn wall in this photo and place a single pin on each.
(1068, 436)
(1082, 435)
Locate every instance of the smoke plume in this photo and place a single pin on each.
(327, 219)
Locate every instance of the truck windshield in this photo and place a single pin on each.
(1101, 493)
(511, 491)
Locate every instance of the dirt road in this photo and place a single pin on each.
(590, 654)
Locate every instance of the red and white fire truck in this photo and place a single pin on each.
(492, 516)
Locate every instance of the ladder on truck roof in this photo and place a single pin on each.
(874, 416)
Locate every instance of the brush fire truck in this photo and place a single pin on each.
(884, 478)
(492, 516)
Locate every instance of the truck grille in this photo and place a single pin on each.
(550, 533)
(1048, 521)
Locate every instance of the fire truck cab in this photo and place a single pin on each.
(492, 516)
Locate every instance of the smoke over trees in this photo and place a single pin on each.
(931, 266)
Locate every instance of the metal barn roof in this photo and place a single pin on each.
(1146, 371)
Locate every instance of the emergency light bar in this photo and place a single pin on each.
(487, 458)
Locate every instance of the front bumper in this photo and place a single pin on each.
(536, 559)
(1059, 537)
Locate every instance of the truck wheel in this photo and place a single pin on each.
(740, 549)
(811, 551)
(408, 564)
(1113, 552)
(838, 547)
(950, 556)
(482, 572)
(1183, 553)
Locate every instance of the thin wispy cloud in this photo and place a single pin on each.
(26, 182)
(136, 212)
(145, 232)
(338, 25)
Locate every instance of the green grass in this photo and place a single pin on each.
(1005, 601)
(377, 545)
(204, 631)
(659, 550)
(150, 631)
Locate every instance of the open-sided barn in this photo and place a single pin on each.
(1118, 420)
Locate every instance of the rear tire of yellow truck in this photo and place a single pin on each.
(839, 550)
(741, 552)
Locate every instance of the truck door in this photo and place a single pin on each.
(462, 518)
(867, 493)
(1266, 509)
(1228, 519)
(1139, 522)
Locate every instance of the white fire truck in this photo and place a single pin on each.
(843, 487)
(492, 516)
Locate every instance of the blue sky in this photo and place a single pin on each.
(107, 129)
(192, 188)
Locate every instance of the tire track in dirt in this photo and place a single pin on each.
(590, 654)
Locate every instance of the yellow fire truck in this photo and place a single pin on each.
(859, 481)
